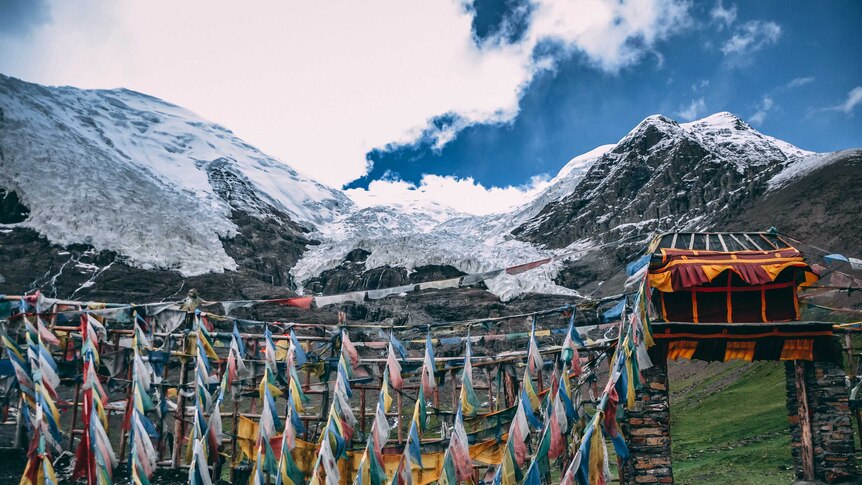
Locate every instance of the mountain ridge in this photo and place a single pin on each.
(171, 185)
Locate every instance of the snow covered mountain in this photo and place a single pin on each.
(123, 171)
(121, 195)
(663, 176)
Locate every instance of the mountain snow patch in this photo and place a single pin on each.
(124, 171)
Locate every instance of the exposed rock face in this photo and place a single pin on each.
(352, 275)
(267, 243)
(662, 176)
(11, 209)
(821, 206)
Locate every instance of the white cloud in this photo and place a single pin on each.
(854, 98)
(766, 104)
(319, 84)
(800, 81)
(462, 194)
(694, 110)
(751, 37)
(723, 17)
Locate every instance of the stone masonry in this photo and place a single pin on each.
(831, 428)
(647, 430)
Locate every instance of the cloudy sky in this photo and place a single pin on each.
(474, 104)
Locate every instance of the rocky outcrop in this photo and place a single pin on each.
(661, 176)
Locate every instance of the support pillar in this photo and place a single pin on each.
(647, 430)
(832, 442)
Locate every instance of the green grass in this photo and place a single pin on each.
(734, 433)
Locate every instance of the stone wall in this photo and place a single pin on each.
(831, 428)
(647, 430)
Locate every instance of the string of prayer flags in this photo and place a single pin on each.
(269, 418)
(460, 449)
(429, 382)
(215, 432)
(457, 464)
(534, 356)
(370, 469)
(39, 469)
(296, 350)
(541, 459)
(529, 393)
(570, 346)
(412, 451)
(288, 471)
(45, 381)
(236, 368)
(199, 474)
(47, 336)
(293, 424)
(595, 470)
(469, 402)
(565, 396)
(348, 348)
(570, 475)
(385, 393)
(339, 427)
(269, 422)
(296, 394)
(533, 477)
(328, 459)
(420, 413)
(558, 425)
(269, 352)
(380, 429)
(101, 452)
(142, 454)
(393, 366)
(21, 366)
(398, 346)
(404, 472)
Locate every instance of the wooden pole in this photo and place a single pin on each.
(454, 390)
(127, 418)
(400, 419)
(75, 415)
(179, 417)
(362, 410)
(161, 442)
(492, 405)
(233, 440)
(807, 447)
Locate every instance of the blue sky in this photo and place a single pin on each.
(783, 83)
(472, 104)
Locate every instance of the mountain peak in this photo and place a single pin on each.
(723, 120)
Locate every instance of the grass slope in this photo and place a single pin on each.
(729, 424)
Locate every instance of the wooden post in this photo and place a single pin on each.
(807, 448)
(179, 416)
(362, 410)
(20, 430)
(160, 445)
(400, 419)
(509, 387)
(127, 418)
(454, 391)
(75, 415)
(541, 380)
(491, 402)
(233, 440)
